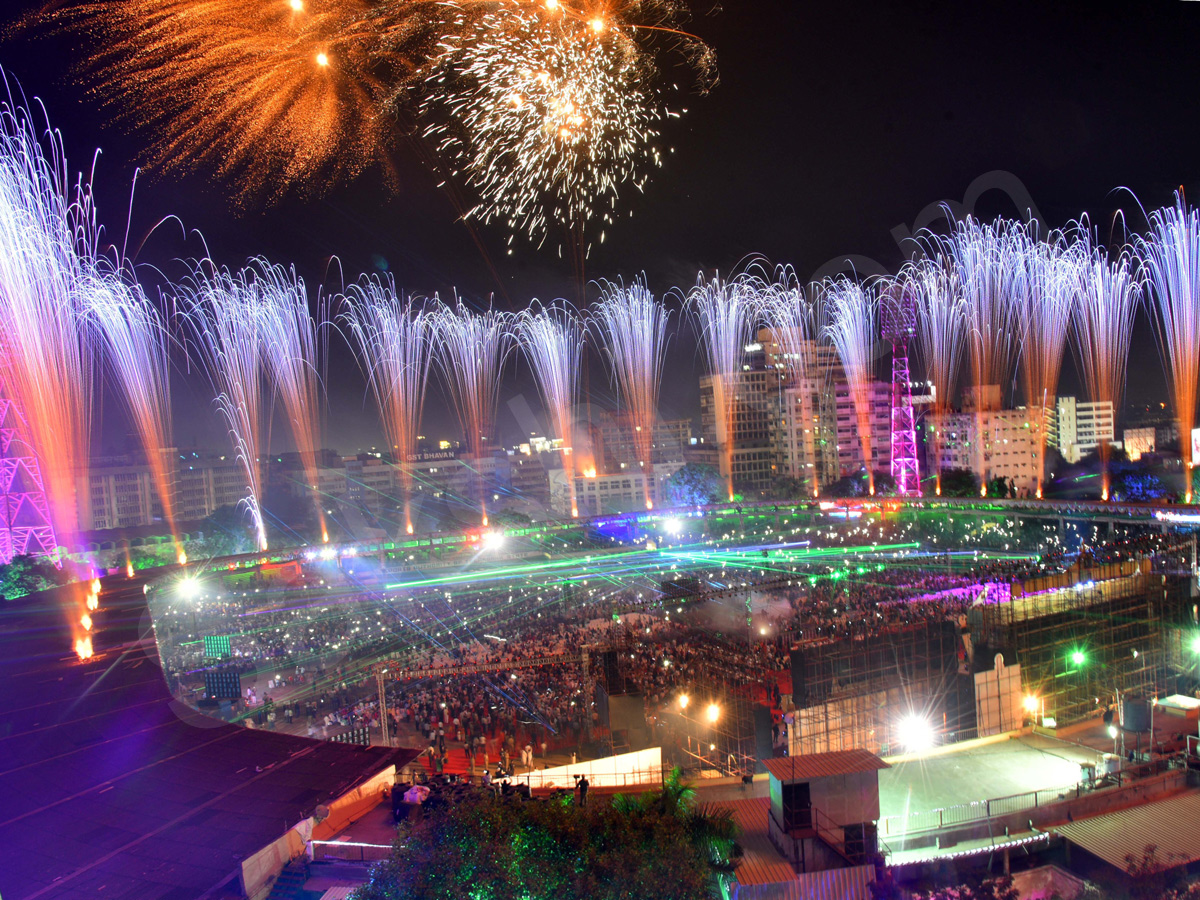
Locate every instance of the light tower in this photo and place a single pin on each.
(898, 316)
(25, 525)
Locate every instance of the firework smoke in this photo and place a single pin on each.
(289, 346)
(552, 339)
(1170, 256)
(1109, 295)
(471, 353)
(724, 312)
(852, 326)
(394, 341)
(632, 329)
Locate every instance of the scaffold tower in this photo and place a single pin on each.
(25, 526)
(899, 321)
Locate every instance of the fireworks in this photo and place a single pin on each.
(985, 267)
(725, 312)
(550, 100)
(131, 332)
(394, 339)
(1108, 298)
(852, 327)
(471, 353)
(271, 93)
(47, 235)
(632, 328)
(1044, 301)
(224, 311)
(552, 340)
(289, 346)
(547, 117)
(789, 316)
(940, 339)
(1171, 265)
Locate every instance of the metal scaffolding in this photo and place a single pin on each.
(1078, 645)
(869, 689)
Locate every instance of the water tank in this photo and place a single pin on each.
(1135, 715)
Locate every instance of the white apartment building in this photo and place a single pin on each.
(623, 491)
(992, 443)
(1077, 429)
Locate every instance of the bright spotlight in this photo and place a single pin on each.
(1196, 644)
(916, 733)
(1078, 657)
(1112, 732)
(672, 526)
(1031, 704)
(189, 589)
(713, 712)
(493, 540)
(683, 701)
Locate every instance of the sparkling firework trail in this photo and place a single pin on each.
(1045, 292)
(1109, 295)
(547, 116)
(789, 317)
(472, 349)
(725, 312)
(394, 341)
(552, 339)
(135, 345)
(47, 241)
(940, 338)
(852, 326)
(1170, 256)
(224, 311)
(632, 329)
(986, 268)
(289, 346)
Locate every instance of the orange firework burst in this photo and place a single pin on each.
(303, 94)
(270, 93)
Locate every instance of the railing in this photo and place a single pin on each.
(982, 810)
(348, 851)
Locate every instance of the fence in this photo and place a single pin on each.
(348, 851)
(982, 810)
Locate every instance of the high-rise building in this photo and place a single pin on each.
(1077, 429)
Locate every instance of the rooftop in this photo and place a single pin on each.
(112, 789)
(824, 765)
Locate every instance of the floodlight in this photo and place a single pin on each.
(683, 701)
(916, 733)
(714, 712)
(1031, 704)
(189, 588)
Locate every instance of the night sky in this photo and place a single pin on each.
(832, 128)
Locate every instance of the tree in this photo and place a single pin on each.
(486, 847)
(694, 485)
(27, 574)
(227, 532)
(959, 483)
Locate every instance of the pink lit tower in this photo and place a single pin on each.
(25, 525)
(898, 315)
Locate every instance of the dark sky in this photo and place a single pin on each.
(833, 127)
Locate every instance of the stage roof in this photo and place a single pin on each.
(824, 765)
(109, 788)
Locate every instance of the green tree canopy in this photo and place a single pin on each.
(484, 847)
(694, 485)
